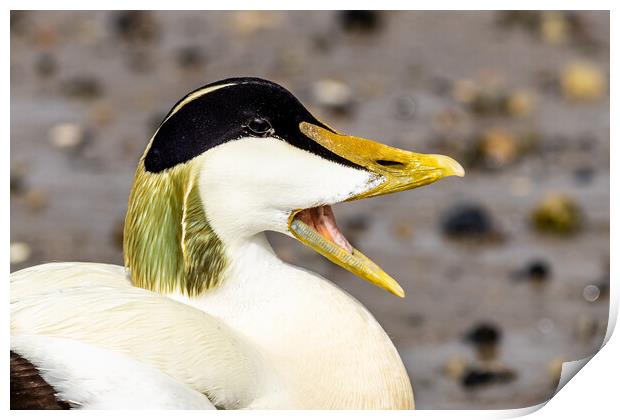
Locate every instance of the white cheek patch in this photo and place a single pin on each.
(252, 184)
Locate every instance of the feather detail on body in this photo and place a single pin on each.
(200, 351)
(71, 374)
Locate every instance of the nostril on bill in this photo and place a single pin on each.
(390, 163)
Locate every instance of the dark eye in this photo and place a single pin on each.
(259, 126)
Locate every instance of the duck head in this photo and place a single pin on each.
(242, 156)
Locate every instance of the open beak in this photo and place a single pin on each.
(399, 170)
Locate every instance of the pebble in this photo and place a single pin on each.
(520, 103)
(476, 376)
(536, 271)
(20, 252)
(582, 81)
(135, 26)
(454, 368)
(466, 220)
(448, 120)
(191, 58)
(557, 214)
(248, 22)
(486, 104)
(479, 100)
(464, 90)
(591, 293)
(584, 175)
(45, 65)
(82, 87)
(586, 328)
(485, 337)
(35, 199)
(496, 149)
(18, 178)
(360, 21)
(406, 107)
(45, 37)
(545, 325)
(333, 95)
(68, 136)
(491, 99)
(554, 27)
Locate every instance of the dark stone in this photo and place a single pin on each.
(360, 20)
(192, 57)
(45, 65)
(536, 270)
(480, 376)
(17, 183)
(473, 378)
(484, 333)
(466, 220)
(584, 175)
(487, 104)
(135, 26)
(82, 87)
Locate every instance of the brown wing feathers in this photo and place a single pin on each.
(29, 391)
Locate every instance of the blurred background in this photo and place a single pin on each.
(506, 270)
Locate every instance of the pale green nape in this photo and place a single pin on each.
(168, 243)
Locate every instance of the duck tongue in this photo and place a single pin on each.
(323, 221)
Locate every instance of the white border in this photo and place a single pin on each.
(592, 395)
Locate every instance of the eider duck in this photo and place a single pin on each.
(204, 314)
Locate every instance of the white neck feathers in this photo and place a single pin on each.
(322, 342)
